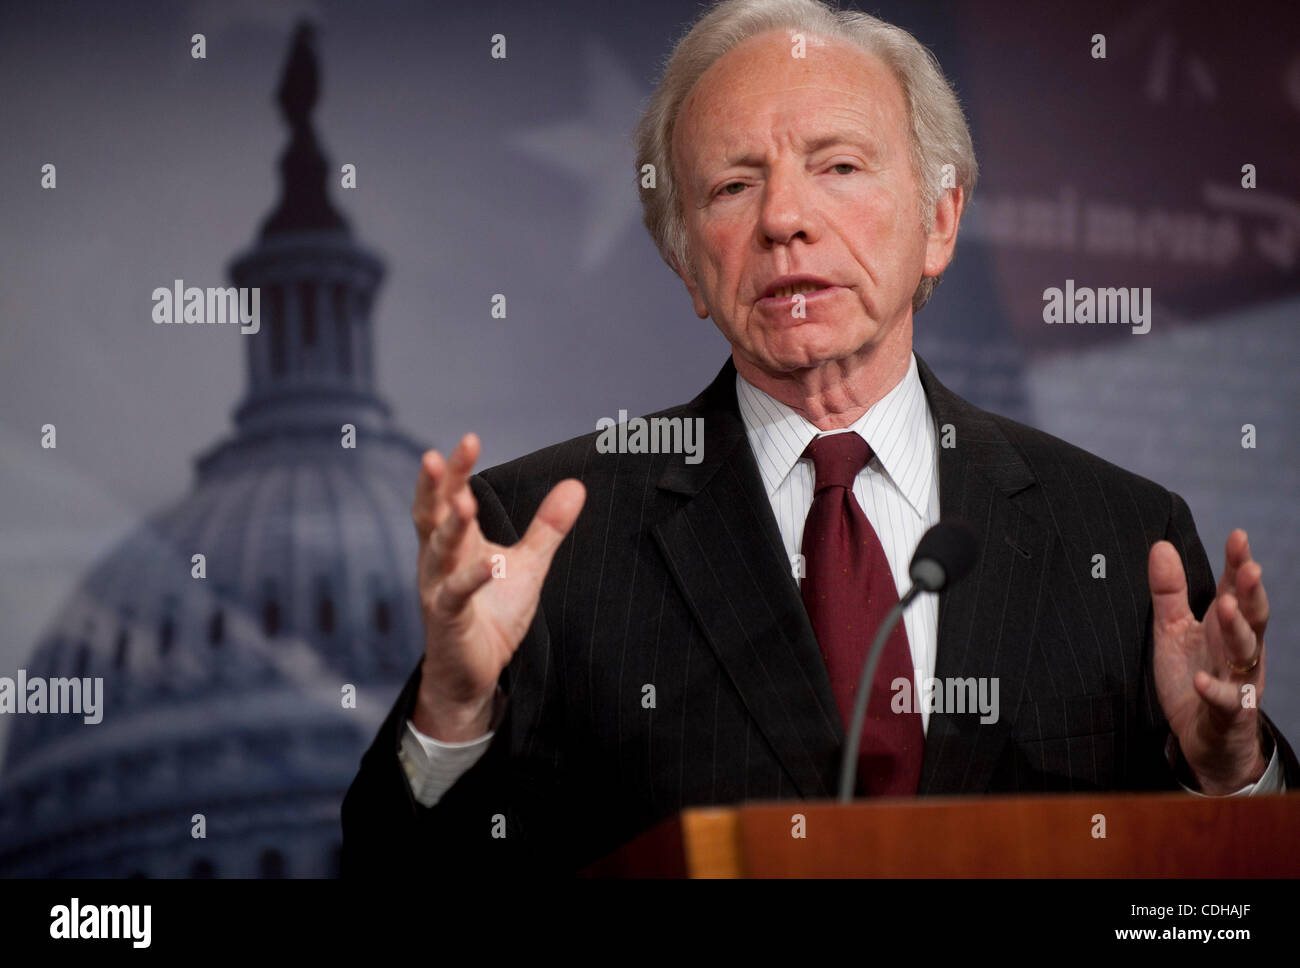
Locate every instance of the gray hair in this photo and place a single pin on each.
(939, 134)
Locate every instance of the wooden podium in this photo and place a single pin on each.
(1146, 835)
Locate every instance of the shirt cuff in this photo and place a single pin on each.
(432, 766)
(1272, 781)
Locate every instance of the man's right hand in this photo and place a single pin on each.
(473, 622)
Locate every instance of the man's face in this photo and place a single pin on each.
(793, 166)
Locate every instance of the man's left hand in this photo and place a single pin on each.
(1202, 667)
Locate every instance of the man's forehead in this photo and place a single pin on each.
(727, 121)
(805, 135)
(849, 82)
(768, 64)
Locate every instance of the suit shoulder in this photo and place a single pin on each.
(1057, 461)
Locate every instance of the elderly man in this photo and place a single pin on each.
(695, 636)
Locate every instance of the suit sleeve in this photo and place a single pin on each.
(508, 811)
(1201, 589)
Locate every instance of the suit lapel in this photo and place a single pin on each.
(725, 553)
(986, 620)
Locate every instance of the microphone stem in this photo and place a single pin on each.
(849, 762)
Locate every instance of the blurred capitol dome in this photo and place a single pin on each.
(223, 696)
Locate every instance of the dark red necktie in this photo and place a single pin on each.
(848, 589)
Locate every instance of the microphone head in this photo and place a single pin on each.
(945, 553)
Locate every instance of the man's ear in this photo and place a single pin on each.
(941, 241)
(697, 300)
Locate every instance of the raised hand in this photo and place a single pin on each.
(1201, 667)
(473, 621)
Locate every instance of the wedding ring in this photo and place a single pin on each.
(1242, 670)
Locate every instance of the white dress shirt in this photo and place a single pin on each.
(898, 491)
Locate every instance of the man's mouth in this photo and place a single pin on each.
(798, 284)
(786, 297)
(785, 292)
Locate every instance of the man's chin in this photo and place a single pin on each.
(790, 360)
(808, 353)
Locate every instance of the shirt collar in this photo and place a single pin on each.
(898, 427)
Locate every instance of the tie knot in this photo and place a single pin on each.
(837, 459)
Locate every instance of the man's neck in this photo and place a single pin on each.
(837, 393)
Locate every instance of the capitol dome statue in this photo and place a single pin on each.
(226, 698)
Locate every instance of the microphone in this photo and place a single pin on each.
(944, 554)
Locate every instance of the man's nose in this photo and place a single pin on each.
(786, 212)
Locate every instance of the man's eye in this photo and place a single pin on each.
(845, 164)
(723, 189)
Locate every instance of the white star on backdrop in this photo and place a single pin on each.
(596, 147)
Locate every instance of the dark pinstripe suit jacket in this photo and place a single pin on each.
(675, 576)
